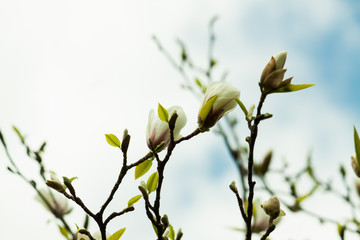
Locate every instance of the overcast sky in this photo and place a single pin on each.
(72, 71)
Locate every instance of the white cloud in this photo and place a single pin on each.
(73, 71)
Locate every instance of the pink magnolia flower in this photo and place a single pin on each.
(158, 131)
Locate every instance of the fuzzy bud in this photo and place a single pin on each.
(272, 207)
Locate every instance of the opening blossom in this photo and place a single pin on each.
(218, 101)
(273, 74)
(57, 202)
(158, 131)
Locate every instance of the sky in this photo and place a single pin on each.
(71, 71)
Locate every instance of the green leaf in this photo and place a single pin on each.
(198, 82)
(201, 86)
(112, 140)
(357, 146)
(22, 139)
(64, 232)
(171, 232)
(117, 235)
(213, 62)
(242, 106)
(301, 198)
(206, 108)
(238, 229)
(133, 200)
(163, 113)
(142, 168)
(293, 87)
(341, 230)
(155, 230)
(70, 179)
(152, 182)
(282, 213)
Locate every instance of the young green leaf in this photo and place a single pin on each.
(198, 82)
(155, 230)
(301, 198)
(133, 200)
(22, 139)
(242, 106)
(142, 168)
(112, 140)
(171, 232)
(213, 62)
(117, 235)
(64, 232)
(293, 88)
(163, 113)
(341, 231)
(152, 182)
(206, 108)
(70, 179)
(357, 146)
(282, 213)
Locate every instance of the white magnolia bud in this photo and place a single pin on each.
(272, 207)
(273, 74)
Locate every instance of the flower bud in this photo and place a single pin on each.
(55, 183)
(165, 221)
(158, 131)
(273, 73)
(272, 207)
(179, 234)
(355, 166)
(219, 100)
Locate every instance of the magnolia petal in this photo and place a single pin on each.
(274, 79)
(280, 59)
(269, 68)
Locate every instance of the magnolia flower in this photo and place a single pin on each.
(83, 236)
(261, 220)
(273, 74)
(58, 204)
(219, 100)
(158, 131)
